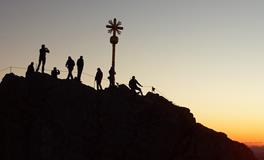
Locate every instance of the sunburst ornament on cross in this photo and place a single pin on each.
(115, 28)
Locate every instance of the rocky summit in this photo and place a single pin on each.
(42, 118)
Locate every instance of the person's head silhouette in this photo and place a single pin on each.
(133, 77)
(43, 46)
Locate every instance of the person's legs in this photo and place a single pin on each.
(68, 77)
(43, 65)
(71, 76)
(80, 74)
(97, 85)
(140, 91)
(133, 90)
(112, 81)
(38, 65)
(100, 86)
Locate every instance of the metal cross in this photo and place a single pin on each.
(114, 27)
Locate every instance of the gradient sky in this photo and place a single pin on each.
(203, 54)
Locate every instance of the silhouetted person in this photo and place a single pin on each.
(55, 72)
(98, 79)
(42, 57)
(133, 85)
(153, 89)
(30, 70)
(70, 65)
(79, 67)
(111, 77)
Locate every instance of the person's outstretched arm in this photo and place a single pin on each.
(139, 84)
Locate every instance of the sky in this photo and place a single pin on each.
(206, 55)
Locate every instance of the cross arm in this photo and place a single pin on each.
(120, 28)
(109, 26)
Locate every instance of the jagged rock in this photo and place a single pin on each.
(48, 119)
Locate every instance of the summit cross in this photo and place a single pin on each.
(115, 28)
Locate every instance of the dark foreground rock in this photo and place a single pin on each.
(46, 119)
(259, 151)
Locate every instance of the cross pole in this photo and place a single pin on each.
(115, 28)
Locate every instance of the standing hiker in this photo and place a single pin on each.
(79, 67)
(70, 65)
(42, 57)
(111, 77)
(98, 79)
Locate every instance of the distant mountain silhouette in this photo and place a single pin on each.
(43, 118)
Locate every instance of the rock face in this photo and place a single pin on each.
(42, 118)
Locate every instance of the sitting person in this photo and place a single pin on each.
(133, 85)
(55, 72)
(30, 70)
